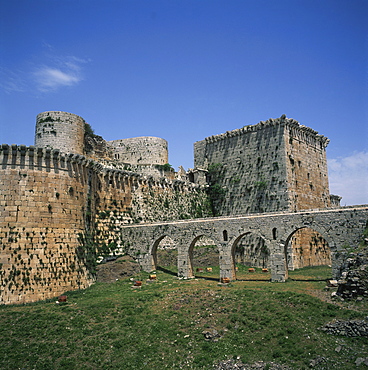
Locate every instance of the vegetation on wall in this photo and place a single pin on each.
(90, 249)
(165, 167)
(49, 119)
(215, 190)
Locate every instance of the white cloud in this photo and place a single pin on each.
(61, 71)
(348, 177)
(55, 72)
(49, 78)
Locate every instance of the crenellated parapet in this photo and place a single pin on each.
(296, 130)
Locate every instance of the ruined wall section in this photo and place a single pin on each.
(43, 198)
(249, 165)
(307, 178)
(60, 130)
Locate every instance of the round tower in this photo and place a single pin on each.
(60, 130)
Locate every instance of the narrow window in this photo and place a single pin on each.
(224, 233)
(274, 233)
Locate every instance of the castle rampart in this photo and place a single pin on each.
(55, 207)
(42, 202)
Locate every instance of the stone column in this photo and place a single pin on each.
(185, 267)
(279, 272)
(147, 262)
(227, 263)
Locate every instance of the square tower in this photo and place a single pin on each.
(276, 165)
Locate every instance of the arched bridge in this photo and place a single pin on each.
(341, 228)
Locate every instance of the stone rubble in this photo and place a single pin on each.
(354, 277)
(348, 328)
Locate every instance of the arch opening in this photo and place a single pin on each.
(204, 258)
(307, 251)
(251, 256)
(165, 255)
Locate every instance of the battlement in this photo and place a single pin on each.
(298, 131)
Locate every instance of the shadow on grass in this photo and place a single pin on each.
(166, 271)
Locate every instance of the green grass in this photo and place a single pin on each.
(112, 326)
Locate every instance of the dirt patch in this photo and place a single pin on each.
(114, 270)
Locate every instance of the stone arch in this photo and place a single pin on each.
(262, 248)
(286, 240)
(203, 252)
(156, 245)
(185, 251)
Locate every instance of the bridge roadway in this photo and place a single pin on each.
(341, 227)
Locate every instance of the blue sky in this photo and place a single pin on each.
(187, 69)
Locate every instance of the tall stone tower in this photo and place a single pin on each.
(60, 130)
(271, 166)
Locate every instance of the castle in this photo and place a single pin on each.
(72, 191)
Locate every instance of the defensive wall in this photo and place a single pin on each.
(43, 197)
(342, 228)
(145, 150)
(57, 208)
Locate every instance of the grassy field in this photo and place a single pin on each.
(164, 324)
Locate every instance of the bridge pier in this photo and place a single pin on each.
(185, 267)
(147, 262)
(279, 269)
(227, 264)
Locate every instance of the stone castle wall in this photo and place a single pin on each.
(72, 194)
(126, 198)
(42, 203)
(306, 164)
(57, 208)
(308, 248)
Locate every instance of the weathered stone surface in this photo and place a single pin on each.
(354, 276)
(271, 166)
